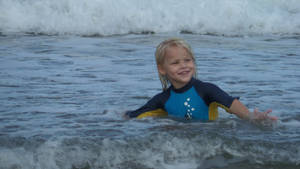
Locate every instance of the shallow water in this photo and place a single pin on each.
(63, 97)
(70, 69)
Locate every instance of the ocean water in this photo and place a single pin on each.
(70, 69)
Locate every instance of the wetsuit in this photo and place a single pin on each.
(196, 100)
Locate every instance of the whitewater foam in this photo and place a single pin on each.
(157, 150)
(103, 17)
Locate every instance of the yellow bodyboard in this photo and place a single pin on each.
(153, 113)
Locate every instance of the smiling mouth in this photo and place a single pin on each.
(184, 73)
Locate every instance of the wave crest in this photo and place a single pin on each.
(105, 17)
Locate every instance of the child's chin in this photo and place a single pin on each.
(187, 76)
(186, 79)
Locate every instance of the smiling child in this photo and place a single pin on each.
(183, 95)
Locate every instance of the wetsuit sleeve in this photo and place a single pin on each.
(212, 93)
(157, 102)
(220, 96)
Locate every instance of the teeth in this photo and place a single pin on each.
(185, 72)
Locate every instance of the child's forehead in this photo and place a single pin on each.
(175, 47)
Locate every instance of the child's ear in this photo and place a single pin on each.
(161, 70)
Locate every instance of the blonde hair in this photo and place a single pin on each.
(160, 56)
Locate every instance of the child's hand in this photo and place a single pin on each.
(126, 115)
(261, 116)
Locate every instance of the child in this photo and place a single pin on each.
(188, 97)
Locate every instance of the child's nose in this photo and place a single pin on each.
(183, 64)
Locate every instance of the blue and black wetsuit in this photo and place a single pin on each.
(196, 100)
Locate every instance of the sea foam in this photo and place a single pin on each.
(110, 17)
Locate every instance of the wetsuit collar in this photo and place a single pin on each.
(184, 88)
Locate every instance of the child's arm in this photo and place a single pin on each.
(242, 112)
(154, 107)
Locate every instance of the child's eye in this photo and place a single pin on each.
(174, 63)
(188, 60)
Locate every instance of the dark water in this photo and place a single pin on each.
(62, 100)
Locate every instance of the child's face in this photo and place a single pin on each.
(178, 66)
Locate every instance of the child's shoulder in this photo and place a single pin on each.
(204, 85)
(163, 95)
